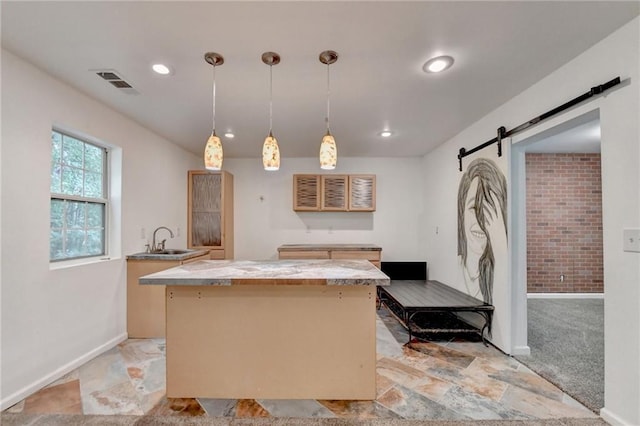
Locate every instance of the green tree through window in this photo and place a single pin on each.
(78, 198)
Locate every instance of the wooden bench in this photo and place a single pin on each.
(438, 305)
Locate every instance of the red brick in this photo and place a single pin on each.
(564, 234)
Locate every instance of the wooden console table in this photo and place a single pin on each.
(369, 252)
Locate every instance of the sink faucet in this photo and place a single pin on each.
(159, 247)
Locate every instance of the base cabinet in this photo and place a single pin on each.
(341, 252)
(146, 312)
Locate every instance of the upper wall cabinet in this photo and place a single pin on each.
(306, 192)
(210, 212)
(362, 193)
(334, 193)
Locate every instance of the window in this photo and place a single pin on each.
(79, 198)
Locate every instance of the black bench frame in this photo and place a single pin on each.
(408, 298)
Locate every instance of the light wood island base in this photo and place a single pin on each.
(271, 342)
(271, 329)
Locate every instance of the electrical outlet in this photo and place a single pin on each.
(177, 231)
(143, 233)
(631, 240)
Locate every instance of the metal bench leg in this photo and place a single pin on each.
(408, 322)
(487, 325)
(482, 335)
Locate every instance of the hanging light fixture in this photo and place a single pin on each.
(328, 148)
(270, 150)
(213, 149)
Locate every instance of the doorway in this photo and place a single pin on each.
(557, 229)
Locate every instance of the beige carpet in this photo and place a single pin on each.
(81, 420)
(566, 337)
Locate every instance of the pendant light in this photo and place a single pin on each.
(270, 150)
(213, 149)
(328, 148)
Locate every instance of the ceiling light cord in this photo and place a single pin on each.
(328, 98)
(270, 99)
(213, 132)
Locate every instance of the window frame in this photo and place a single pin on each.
(105, 202)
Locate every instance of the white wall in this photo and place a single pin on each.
(617, 55)
(55, 319)
(264, 216)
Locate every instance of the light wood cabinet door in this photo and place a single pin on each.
(210, 211)
(362, 193)
(334, 192)
(306, 192)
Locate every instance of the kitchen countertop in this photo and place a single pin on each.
(173, 257)
(270, 272)
(345, 247)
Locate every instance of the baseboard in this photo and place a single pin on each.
(565, 295)
(521, 351)
(58, 373)
(612, 419)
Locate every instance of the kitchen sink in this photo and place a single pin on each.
(171, 251)
(168, 254)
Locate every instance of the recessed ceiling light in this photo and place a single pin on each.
(438, 64)
(386, 133)
(161, 69)
(229, 135)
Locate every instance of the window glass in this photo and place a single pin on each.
(78, 198)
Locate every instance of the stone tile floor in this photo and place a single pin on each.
(444, 380)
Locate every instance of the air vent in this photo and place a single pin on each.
(120, 84)
(109, 75)
(116, 80)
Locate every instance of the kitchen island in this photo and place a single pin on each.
(283, 329)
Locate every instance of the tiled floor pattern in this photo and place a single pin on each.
(422, 380)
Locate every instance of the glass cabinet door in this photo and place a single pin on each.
(206, 210)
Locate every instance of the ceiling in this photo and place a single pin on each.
(583, 138)
(500, 49)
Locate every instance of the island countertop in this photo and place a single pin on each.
(270, 272)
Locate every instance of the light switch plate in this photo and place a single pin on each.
(631, 240)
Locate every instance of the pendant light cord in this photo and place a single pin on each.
(213, 132)
(328, 96)
(270, 99)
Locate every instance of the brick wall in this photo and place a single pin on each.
(564, 223)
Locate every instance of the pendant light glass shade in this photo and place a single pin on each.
(328, 147)
(270, 149)
(271, 153)
(328, 152)
(213, 154)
